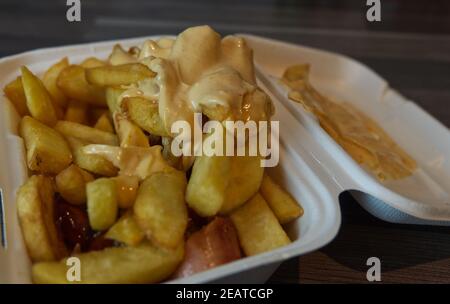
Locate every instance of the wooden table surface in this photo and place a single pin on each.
(410, 47)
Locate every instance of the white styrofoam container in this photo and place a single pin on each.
(422, 198)
(298, 172)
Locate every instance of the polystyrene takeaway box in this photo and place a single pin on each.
(299, 173)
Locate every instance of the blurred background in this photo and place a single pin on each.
(410, 47)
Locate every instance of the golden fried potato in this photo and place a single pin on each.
(145, 114)
(127, 187)
(116, 75)
(15, 93)
(88, 134)
(36, 211)
(126, 231)
(72, 81)
(90, 162)
(130, 135)
(92, 62)
(207, 187)
(112, 98)
(282, 204)
(120, 56)
(49, 80)
(141, 264)
(160, 210)
(258, 228)
(102, 206)
(76, 112)
(245, 180)
(47, 150)
(103, 123)
(71, 184)
(39, 102)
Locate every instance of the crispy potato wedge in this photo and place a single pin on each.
(39, 102)
(15, 93)
(92, 62)
(127, 186)
(72, 82)
(71, 184)
(103, 123)
(258, 228)
(36, 211)
(119, 56)
(141, 264)
(160, 210)
(102, 203)
(76, 112)
(112, 98)
(130, 135)
(282, 203)
(126, 231)
(90, 162)
(206, 190)
(88, 134)
(246, 177)
(49, 80)
(47, 150)
(116, 75)
(145, 114)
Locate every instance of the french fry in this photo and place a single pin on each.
(90, 162)
(47, 150)
(206, 190)
(15, 93)
(85, 133)
(120, 56)
(72, 82)
(126, 231)
(139, 265)
(103, 123)
(39, 102)
(258, 228)
(129, 134)
(246, 177)
(160, 210)
(116, 75)
(92, 62)
(36, 211)
(49, 80)
(112, 98)
(71, 184)
(76, 112)
(102, 203)
(145, 114)
(282, 204)
(127, 186)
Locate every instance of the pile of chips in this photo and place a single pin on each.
(362, 138)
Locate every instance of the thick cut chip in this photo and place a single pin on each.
(102, 203)
(120, 56)
(126, 231)
(282, 204)
(160, 210)
(49, 79)
(92, 62)
(76, 112)
(130, 135)
(72, 81)
(207, 187)
(116, 75)
(36, 211)
(14, 92)
(258, 228)
(71, 184)
(39, 102)
(47, 150)
(86, 133)
(113, 98)
(127, 265)
(103, 123)
(246, 177)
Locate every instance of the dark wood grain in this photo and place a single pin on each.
(410, 48)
